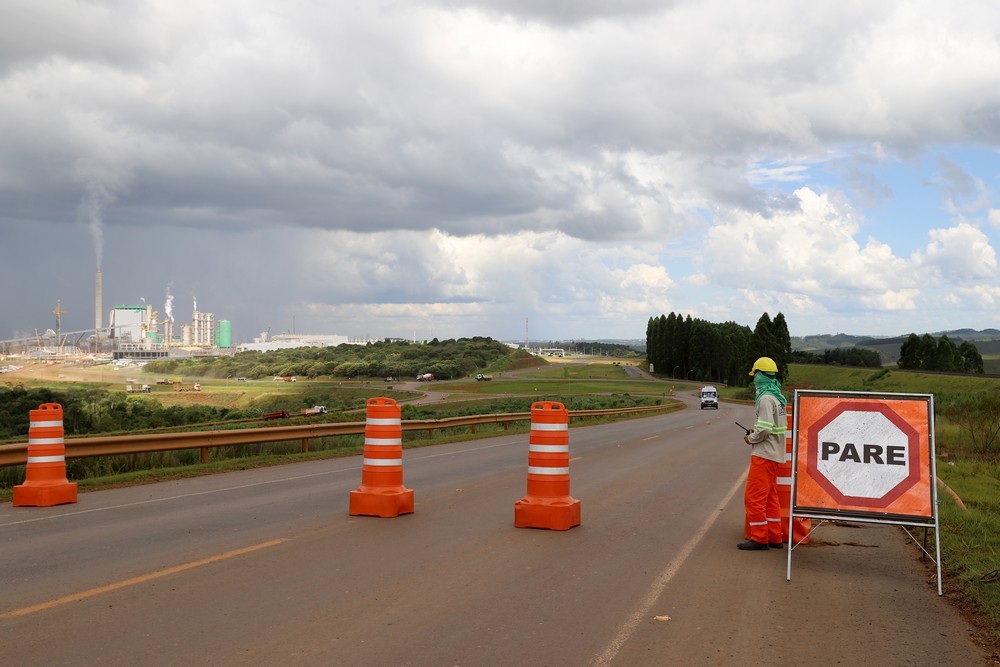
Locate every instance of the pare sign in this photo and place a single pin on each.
(863, 454)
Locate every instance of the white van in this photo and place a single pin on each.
(709, 398)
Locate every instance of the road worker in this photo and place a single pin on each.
(767, 451)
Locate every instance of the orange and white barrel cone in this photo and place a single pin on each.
(382, 492)
(548, 503)
(45, 482)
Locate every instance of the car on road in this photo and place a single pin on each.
(709, 397)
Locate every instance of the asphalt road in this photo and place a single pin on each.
(266, 567)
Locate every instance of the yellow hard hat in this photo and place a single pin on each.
(765, 364)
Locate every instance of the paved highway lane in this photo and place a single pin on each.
(265, 567)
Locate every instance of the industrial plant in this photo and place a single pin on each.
(132, 332)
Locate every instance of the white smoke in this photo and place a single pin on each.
(168, 307)
(96, 198)
(102, 184)
(195, 303)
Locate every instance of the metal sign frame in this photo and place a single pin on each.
(843, 508)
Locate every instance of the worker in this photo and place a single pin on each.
(767, 451)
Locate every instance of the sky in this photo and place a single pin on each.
(542, 169)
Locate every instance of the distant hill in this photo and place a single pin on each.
(986, 341)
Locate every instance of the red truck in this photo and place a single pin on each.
(280, 414)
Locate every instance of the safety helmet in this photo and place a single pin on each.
(765, 364)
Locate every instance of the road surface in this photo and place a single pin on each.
(266, 567)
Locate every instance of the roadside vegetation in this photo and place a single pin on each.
(446, 360)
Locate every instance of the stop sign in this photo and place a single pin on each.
(863, 454)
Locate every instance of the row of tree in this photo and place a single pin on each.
(840, 356)
(695, 349)
(445, 359)
(925, 353)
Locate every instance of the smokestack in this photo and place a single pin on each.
(98, 308)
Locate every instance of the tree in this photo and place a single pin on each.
(782, 345)
(909, 353)
(970, 359)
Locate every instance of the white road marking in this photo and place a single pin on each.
(605, 657)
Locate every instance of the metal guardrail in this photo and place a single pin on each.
(17, 453)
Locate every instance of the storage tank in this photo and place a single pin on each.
(225, 337)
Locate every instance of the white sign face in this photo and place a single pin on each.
(863, 454)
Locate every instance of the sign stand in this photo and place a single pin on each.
(865, 457)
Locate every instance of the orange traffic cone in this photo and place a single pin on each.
(548, 503)
(45, 482)
(382, 492)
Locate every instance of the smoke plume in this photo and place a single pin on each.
(96, 197)
(168, 306)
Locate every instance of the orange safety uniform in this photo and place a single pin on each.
(767, 440)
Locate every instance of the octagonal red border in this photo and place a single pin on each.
(913, 446)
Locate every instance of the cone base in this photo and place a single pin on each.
(384, 503)
(549, 513)
(44, 495)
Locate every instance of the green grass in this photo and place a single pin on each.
(809, 376)
(970, 538)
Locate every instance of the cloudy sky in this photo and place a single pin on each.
(447, 168)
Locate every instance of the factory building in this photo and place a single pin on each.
(138, 333)
(265, 343)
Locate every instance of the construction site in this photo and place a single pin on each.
(130, 332)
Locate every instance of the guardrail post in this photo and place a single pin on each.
(305, 445)
(203, 455)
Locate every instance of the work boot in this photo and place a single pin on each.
(776, 545)
(750, 545)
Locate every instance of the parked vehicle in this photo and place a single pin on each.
(709, 397)
(178, 386)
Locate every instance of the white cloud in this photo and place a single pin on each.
(810, 251)
(960, 253)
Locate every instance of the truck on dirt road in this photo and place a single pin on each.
(314, 410)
